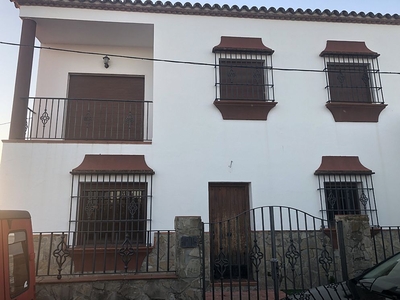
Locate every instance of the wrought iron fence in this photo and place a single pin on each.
(89, 119)
(269, 249)
(58, 254)
(386, 241)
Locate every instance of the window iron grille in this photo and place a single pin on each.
(347, 195)
(354, 79)
(244, 76)
(108, 207)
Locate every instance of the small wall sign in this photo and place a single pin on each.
(189, 241)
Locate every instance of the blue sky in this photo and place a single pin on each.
(10, 28)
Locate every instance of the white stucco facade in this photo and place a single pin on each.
(191, 144)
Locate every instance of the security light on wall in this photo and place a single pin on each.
(106, 61)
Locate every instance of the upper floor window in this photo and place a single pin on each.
(345, 188)
(353, 80)
(349, 82)
(243, 78)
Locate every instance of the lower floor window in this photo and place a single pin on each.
(345, 188)
(107, 212)
(347, 195)
(342, 198)
(108, 209)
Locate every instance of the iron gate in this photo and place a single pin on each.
(266, 253)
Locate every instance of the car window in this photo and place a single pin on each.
(396, 271)
(385, 269)
(18, 263)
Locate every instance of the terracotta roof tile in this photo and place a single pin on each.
(221, 11)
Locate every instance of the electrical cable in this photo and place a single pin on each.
(172, 60)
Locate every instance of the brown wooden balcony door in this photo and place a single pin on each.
(104, 107)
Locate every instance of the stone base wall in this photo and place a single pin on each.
(166, 289)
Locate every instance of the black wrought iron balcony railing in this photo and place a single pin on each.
(89, 119)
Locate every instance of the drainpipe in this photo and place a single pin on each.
(23, 80)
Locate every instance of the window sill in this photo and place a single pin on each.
(355, 112)
(106, 259)
(244, 109)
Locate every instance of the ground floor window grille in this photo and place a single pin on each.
(108, 208)
(344, 194)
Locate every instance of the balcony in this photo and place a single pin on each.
(89, 119)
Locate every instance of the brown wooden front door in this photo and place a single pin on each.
(229, 228)
(104, 107)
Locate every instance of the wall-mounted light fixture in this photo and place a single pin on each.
(106, 61)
